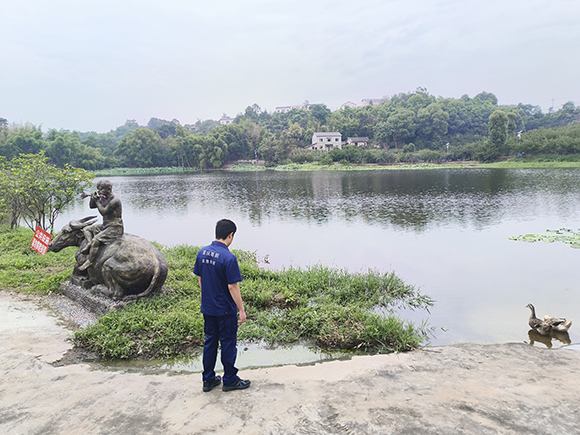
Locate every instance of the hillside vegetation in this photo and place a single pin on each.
(408, 127)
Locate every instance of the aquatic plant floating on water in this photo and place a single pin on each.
(563, 235)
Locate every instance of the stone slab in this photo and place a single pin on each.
(93, 303)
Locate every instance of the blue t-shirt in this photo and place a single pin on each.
(217, 267)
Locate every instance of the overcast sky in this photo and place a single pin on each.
(90, 66)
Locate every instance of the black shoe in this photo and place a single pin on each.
(238, 385)
(208, 385)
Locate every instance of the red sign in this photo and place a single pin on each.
(40, 241)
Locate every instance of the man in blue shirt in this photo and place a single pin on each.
(221, 302)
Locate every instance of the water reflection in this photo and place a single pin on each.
(409, 200)
(250, 355)
(549, 340)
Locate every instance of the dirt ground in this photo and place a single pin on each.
(460, 389)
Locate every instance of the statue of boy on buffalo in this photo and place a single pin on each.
(110, 262)
(112, 227)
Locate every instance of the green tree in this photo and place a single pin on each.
(165, 130)
(156, 122)
(238, 138)
(91, 141)
(457, 112)
(35, 192)
(203, 152)
(3, 134)
(66, 148)
(183, 144)
(402, 125)
(432, 124)
(252, 113)
(356, 122)
(567, 115)
(26, 139)
(296, 134)
(4, 197)
(138, 148)
(498, 129)
(345, 120)
(383, 133)
(106, 143)
(515, 123)
(253, 134)
(212, 153)
(284, 146)
(205, 127)
(129, 127)
(486, 97)
(419, 100)
(546, 141)
(320, 112)
(267, 148)
(63, 147)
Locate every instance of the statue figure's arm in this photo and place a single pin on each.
(108, 207)
(103, 209)
(94, 200)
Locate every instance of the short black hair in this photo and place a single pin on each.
(224, 228)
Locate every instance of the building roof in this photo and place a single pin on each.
(327, 134)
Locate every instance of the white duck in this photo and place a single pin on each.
(558, 323)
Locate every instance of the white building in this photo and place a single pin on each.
(357, 141)
(326, 141)
(226, 120)
(286, 109)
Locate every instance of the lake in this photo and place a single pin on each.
(445, 231)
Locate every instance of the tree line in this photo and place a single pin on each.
(414, 126)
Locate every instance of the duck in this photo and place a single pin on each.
(539, 325)
(558, 324)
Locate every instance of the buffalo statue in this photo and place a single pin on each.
(128, 268)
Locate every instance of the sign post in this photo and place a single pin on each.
(40, 241)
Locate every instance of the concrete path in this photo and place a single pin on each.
(462, 389)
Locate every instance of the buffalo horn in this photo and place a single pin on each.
(84, 222)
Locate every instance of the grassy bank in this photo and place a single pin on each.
(529, 164)
(331, 307)
(515, 163)
(113, 172)
(316, 166)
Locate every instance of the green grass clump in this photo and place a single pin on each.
(160, 327)
(24, 270)
(332, 307)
